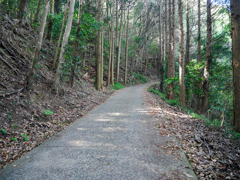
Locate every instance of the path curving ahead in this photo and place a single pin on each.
(116, 140)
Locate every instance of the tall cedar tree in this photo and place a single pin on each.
(235, 14)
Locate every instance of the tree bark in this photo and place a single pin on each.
(171, 94)
(119, 42)
(64, 43)
(32, 71)
(181, 56)
(23, 11)
(161, 68)
(187, 56)
(60, 36)
(208, 60)
(99, 48)
(199, 86)
(126, 49)
(235, 16)
(112, 53)
(37, 15)
(75, 51)
(50, 22)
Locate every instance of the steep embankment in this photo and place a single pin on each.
(27, 118)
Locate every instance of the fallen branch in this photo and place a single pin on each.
(8, 94)
(9, 22)
(3, 85)
(9, 65)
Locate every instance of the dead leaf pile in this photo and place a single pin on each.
(211, 154)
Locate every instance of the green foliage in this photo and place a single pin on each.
(117, 86)
(3, 131)
(140, 77)
(48, 112)
(25, 137)
(173, 102)
(194, 77)
(14, 139)
(196, 116)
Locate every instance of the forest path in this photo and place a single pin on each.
(116, 140)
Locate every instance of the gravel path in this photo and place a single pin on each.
(116, 140)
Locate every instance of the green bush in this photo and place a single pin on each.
(117, 86)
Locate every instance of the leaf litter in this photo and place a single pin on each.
(211, 154)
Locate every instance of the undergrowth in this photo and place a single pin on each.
(173, 102)
(117, 86)
(228, 129)
(140, 77)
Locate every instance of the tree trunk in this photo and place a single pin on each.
(119, 42)
(161, 69)
(112, 53)
(187, 35)
(166, 37)
(76, 44)
(37, 15)
(60, 36)
(64, 43)
(171, 69)
(99, 48)
(235, 8)
(208, 60)
(126, 49)
(102, 51)
(187, 56)
(181, 56)
(32, 71)
(50, 22)
(199, 86)
(23, 11)
(146, 67)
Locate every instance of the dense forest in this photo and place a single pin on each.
(188, 42)
(191, 47)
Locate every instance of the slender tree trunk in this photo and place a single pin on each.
(32, 71)
(23, 11)
(171, 50)
(141, 60)
(126, 49)
(161, 69)
(187, 35)
(187, 56)
(64, 43)
(76, 44)
(146, 67)
(90, 59)
(166, 37)
(235, 8)
(181, 56)
(119, 42)
(208, 60)
(37, 15)
(102, 51)
(99, 49)
(50, 22)
(112, 54)
(60, 36)
(199, 86)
